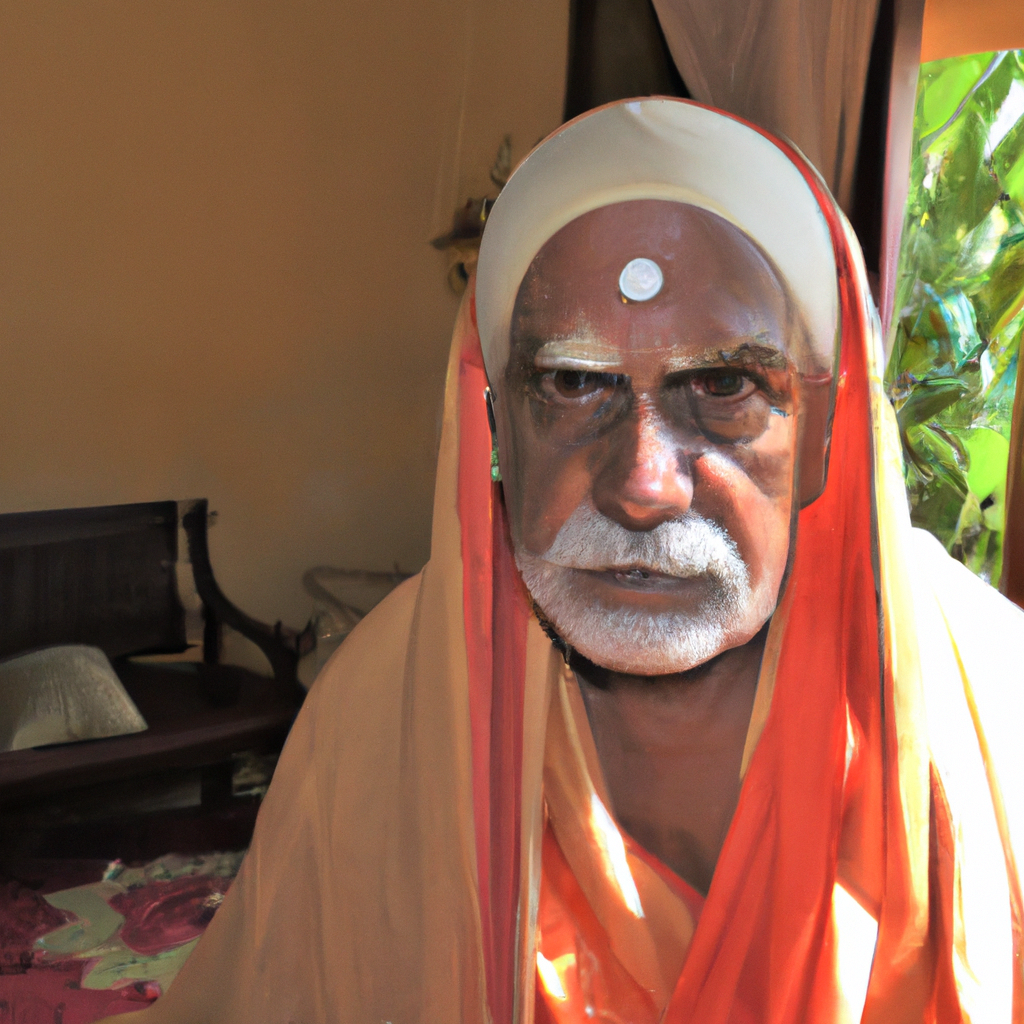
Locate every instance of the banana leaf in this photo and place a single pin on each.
(959, 310)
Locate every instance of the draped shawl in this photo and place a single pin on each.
(395, 869)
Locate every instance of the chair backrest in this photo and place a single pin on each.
(102, 576)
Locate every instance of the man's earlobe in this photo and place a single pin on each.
(818, 402)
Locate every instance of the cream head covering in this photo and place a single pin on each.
(658, 149)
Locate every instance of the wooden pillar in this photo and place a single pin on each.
(1012, 584)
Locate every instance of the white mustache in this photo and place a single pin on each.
(631, 639)
(684, 547)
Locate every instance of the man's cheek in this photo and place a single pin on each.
(545, 509)
(771, 473)
(541, 490)
(766, 468)
(552, 489)
(751, 497)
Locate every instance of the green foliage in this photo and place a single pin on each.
(960, 301)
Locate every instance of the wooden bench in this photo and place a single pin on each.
(109, 577)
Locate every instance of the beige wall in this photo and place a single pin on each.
(951, 28)
(214, 271)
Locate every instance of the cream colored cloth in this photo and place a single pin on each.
(357, 899)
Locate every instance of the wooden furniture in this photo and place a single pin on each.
(110, 577)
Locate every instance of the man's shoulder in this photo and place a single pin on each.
(349, 712)
(986, 627)
(378, 640)
(987, 634)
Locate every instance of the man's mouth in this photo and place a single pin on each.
(645, 579)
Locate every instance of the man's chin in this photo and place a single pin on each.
(627, 659)
(646, 627)
(637, 642)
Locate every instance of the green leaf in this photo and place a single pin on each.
(988, 454)
(960, 300)
(928, 398)
(942, 88)
(939, 455)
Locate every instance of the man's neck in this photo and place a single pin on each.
(670, 748)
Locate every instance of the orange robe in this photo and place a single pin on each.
(436, 847)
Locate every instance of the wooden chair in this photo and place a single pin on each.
(110, 577)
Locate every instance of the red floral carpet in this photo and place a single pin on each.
(84, 939)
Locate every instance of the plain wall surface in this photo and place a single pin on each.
(953, 28)
(215, 276)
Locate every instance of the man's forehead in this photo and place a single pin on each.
(705, 289)
(671, 231)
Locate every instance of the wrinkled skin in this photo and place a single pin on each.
(647, 410)
(676, 409)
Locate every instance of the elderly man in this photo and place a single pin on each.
(681, 722)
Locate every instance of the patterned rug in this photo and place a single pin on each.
(111, 943)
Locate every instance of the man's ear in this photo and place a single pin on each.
(817, 402)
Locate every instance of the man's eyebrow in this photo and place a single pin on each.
(756, 354)
(748, 354)
(587, 352)
(576, 352)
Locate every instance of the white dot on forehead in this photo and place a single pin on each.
(640, 280)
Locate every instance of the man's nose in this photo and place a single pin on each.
(648, 481)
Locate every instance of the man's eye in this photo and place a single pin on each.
(577, 383)
(724, 385)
